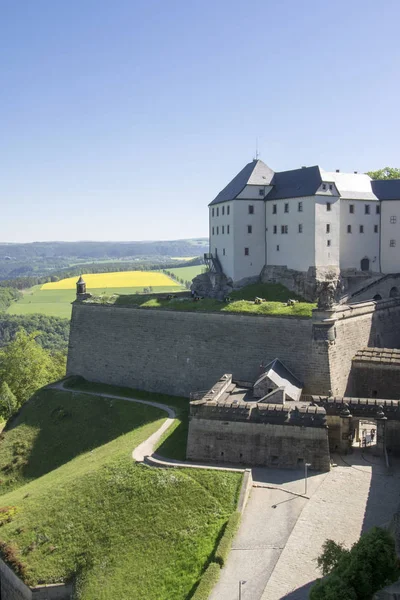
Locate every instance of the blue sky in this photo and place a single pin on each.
(122, 120)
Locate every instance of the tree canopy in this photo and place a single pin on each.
(385, 173)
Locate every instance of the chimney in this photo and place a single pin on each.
(304, 167)
(355, 172)
(337, 170)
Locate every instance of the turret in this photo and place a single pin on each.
(81, 293)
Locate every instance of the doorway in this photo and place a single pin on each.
(365, 264)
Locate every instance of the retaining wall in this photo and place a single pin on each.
(12, 588)
(180, 352)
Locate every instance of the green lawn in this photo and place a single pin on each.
(187, 273)
(242, 302)
(81, 508)
(57, 303)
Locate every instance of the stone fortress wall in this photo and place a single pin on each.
(177, 353)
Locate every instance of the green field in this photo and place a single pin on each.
(75, 505)
(57, 303)
(187, 273)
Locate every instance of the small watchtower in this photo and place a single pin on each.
(81, 293)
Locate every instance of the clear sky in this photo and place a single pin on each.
(121, 120)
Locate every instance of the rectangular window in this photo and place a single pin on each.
(328, 242)
(213, 230)
(377, 209)
(223, 251)
(324, 186)
(361, 228)
(223, 228)
(261, 192)
(348, 228)
(223, 210)
(228, 209)
(217, 230)
(300, 207)
(275, 229)
(227, 229)
(375, 228)
(351, 209)
(251, 209)
(366, 209)
(328, 228)
(216, 251)
(330, 186)
(300, 228)
(286, 207)
(277, 248)
(392, 243)
(274, 209)
(212, 212)
(284, 228)
(246, 252)
(328, 206)
(249, 229)
(217, 212)
(393, 219)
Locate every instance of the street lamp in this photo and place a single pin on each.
(306, 465)
(240, 588)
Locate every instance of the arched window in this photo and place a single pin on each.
(377, 297)
(365, 264)
(394, 292)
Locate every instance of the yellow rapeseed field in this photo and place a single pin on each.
(114, 280)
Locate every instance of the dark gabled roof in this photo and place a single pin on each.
(254, 173)
(295, 184)
(386, 189)
(282, 377)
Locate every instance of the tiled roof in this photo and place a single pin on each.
(254, 173)
(387, 356)
(387, 189)
(295, 184)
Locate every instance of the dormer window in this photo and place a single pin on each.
(330, 186)
(324, 186)
(261, 192)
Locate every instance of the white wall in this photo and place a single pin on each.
(355, 246)
(222, 241)
(252, 192)
(390, 255)
(296, 250)
(251, 265)
(327, 256)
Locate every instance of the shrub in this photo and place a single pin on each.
(207, 582)
(225, 543)
(370, 565)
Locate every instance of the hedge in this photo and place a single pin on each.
(207, 582)
(225, 543)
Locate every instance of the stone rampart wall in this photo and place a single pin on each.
(180, 352)
(258, 444)
(12, 588)
(369, 380)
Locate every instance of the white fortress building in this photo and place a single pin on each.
(304, 225)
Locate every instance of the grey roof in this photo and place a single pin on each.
(254, 173)
(296, 183)
(386, 189)
(282, 377)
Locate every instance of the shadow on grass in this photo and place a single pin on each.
(56, 426)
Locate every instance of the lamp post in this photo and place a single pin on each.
(240, 588)
(306, 465)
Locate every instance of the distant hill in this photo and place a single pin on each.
(103, 250)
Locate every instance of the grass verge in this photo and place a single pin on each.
(241, 301)
(122, 530)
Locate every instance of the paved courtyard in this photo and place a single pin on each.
(281, 535)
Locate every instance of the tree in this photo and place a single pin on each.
(25, 366)
(8, 402)
(357, 574)
(385, 173)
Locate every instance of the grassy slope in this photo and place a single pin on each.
(128, 531)
(242, 301)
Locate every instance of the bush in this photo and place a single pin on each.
(225, 543)
(370, 565)
(207, 582)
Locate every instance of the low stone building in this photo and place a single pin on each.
(230, 424)
(375, 373)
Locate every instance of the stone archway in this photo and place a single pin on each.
(365, 264)
(394, 292)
